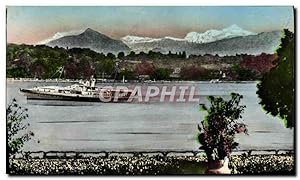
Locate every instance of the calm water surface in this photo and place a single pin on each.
(153, 126)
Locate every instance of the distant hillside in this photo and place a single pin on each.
(266, 42)
(93, 40)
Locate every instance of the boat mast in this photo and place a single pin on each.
(60, 70)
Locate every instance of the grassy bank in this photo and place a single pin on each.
(145, 165)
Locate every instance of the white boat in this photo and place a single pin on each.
(83, 91)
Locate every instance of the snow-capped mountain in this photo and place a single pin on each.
(129, 40)
(195, 37)
(215, 35)
(229, 41)
(137, 39)
(265, 42)
(60, 35)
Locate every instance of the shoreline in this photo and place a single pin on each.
(120, 81)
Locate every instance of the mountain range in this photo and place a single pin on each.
(206, 37)
(265, 42)
(91, 39)
(215, 35)
(228, 41)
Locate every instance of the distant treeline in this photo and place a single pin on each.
(40, 61)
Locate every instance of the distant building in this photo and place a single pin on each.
(177, 70)
(144, 77)
(176, 73)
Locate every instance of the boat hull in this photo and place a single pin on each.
(33, 95)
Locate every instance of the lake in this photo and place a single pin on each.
(152, 126)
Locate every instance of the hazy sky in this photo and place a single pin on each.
(32, 24)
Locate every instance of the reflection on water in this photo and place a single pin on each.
(60, 103)
(152, 126)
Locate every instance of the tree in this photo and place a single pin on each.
(131, 54)
(86, 69)
(111, 56)
(193, 73)
(121, 55)
(243, 74)
(15, 115)
(144, 68)
(161, 74)
(260, 64)
(183, 55)
(218, 129)
(129, 75)
(37, 71)
(277, 87)
(71, 70)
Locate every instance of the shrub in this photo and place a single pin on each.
(219, 127)
(15, 115)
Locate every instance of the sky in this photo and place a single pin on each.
(30, 25)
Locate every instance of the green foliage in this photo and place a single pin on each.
(131, 54)
(105, 66)
(16, 72)
(183, 55)
(161, 74)
(27, 61)
(111, 56)
(193, 73)
(128, 75)
(243, 74)
(121, 55)
(43, 61)
(277, 88)
(218, 129)
(16, 135)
